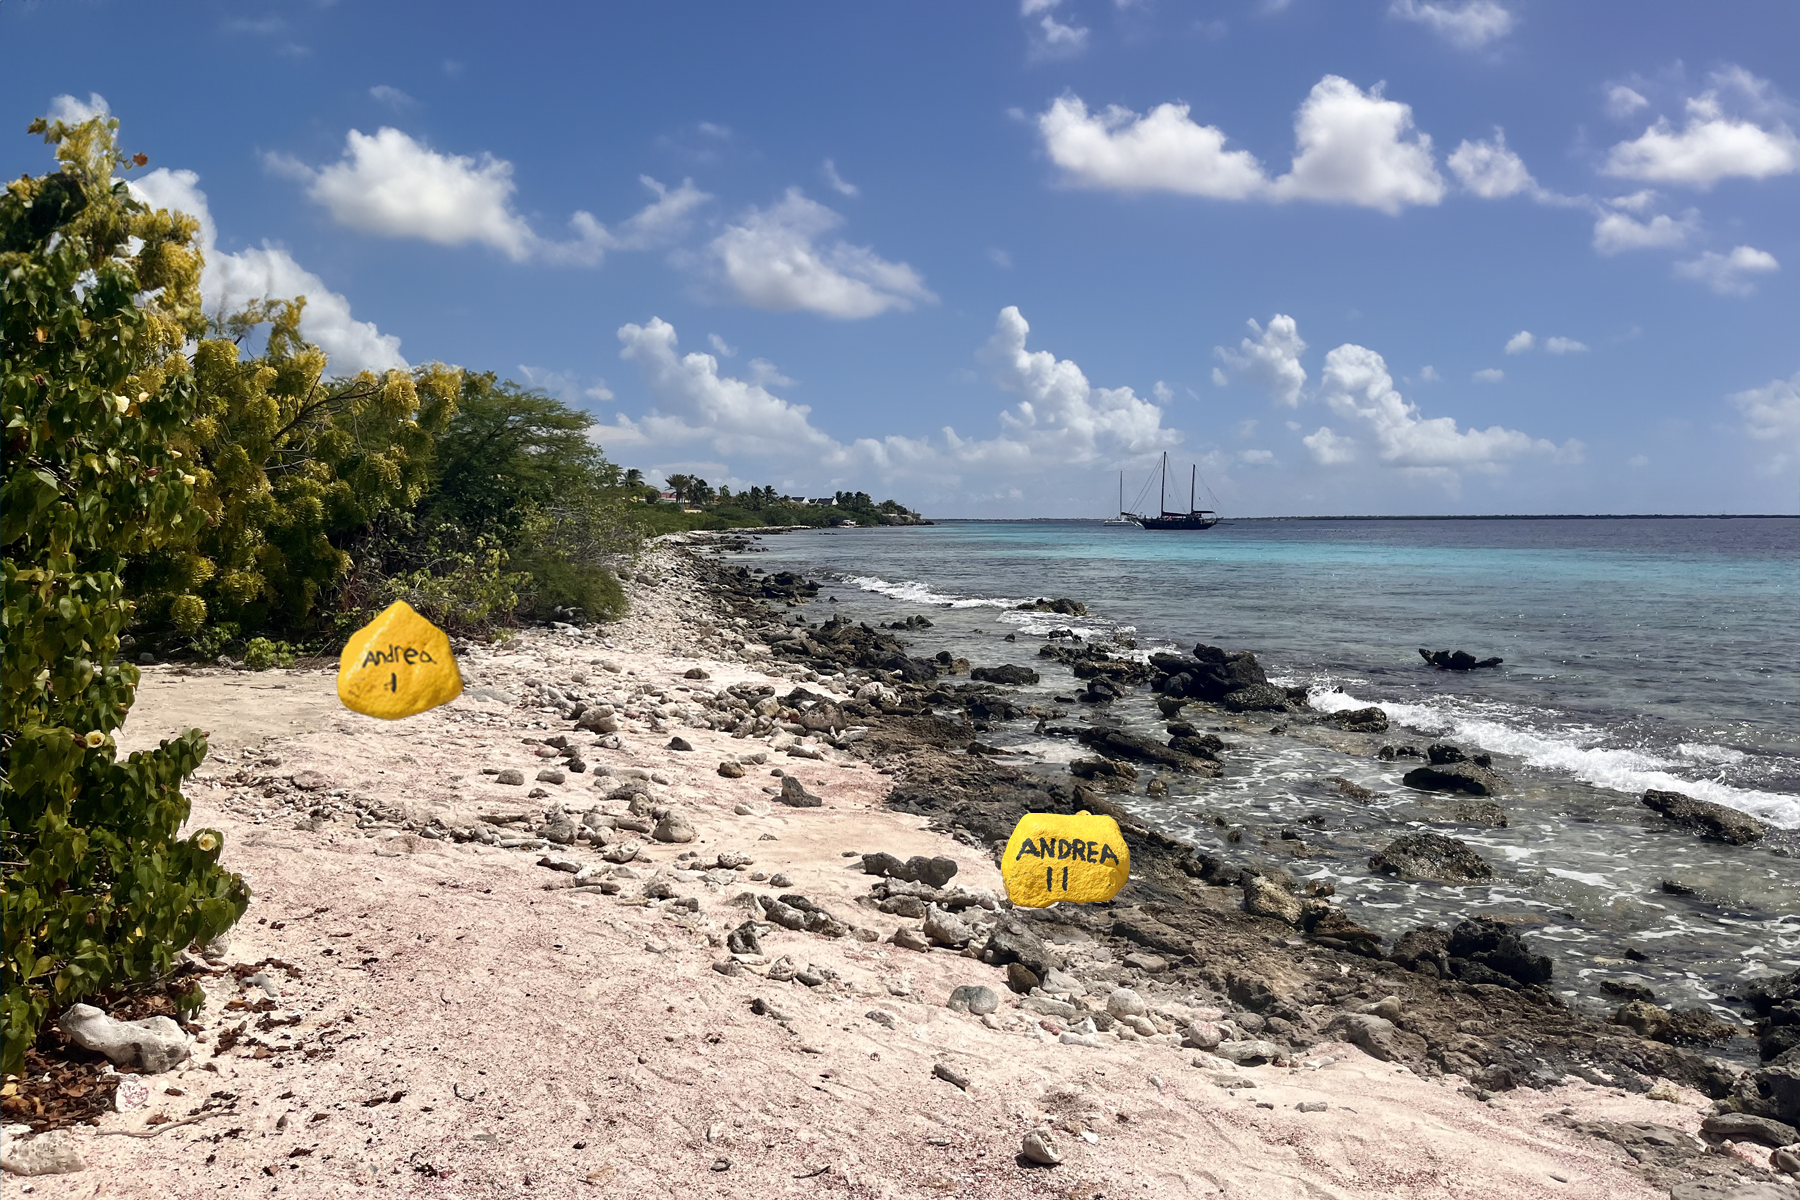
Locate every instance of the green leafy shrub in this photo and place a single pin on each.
(259, 654)
(100, 888)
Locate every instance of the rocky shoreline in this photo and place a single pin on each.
(752, 854)
(1284, 969)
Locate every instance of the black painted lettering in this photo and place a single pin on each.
(1080, 849)
(1025, 847)
(393, 682)
(1049, 878)
(1046, 847)
(1093, 852)
(370, 658)
(411, 656)
(1106, 853)
(1065, 879)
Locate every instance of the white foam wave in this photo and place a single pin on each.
(1705, 752)
(914, 592)
(1619, 769)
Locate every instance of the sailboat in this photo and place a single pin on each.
(1122, 518)
(1193, 518)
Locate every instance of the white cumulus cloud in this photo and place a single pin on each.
(1351, 147)
(391, 185)
(1772, 412)
(1059, 419)
(1712, 144)
(1328, 447)
(1357, 147)
(1270, 359)
(229, 281)
(1163, 150)
(1563, 345)
(1616, 232)
(1520, 342)
(1355, 383)
(1470, 25)
(1489, 169)
(1489, 375)
(1729, 274)
(778, 259)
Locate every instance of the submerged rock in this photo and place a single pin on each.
(1431, 856)
(1361, 720)
(1714, 822)
(1007, 674)
(1457, 660)
(1258, 697)
(1465, 777)
(1116, 743)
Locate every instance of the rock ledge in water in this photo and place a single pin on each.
(1714, 822)
(1431, 856)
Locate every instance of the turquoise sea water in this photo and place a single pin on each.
(1639, 654)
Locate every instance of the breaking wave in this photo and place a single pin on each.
(1622, 770)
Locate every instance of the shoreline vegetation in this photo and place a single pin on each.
(201, 487)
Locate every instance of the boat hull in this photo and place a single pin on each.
(1169, 521)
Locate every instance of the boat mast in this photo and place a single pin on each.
(1191, 480)
(1121, 493)
(1162, 486)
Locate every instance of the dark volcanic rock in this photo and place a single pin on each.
(1006, 674)
(1464, 777)
(1063, 606)
(1457, 660)
(1361, 720)
(1116, 743)
(1102, 768)
(1714, 822)
(1205, 745)
(1431, 856)
(1208, 674)
(1425, 950)
(1488, 944)
(1776, 1003)
(1258, 697)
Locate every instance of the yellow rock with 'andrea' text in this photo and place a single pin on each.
(398, 665)
(1081, 859)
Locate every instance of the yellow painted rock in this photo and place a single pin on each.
(398, 665)
(1081, 859)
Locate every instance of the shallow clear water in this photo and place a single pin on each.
(1639, 654)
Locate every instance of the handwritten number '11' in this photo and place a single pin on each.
(1050, 879)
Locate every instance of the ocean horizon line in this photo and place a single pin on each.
(1430, 517)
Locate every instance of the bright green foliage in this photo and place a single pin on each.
(291, 468)
(99, 887)
(260, 654)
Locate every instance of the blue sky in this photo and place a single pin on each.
(1501, 255)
